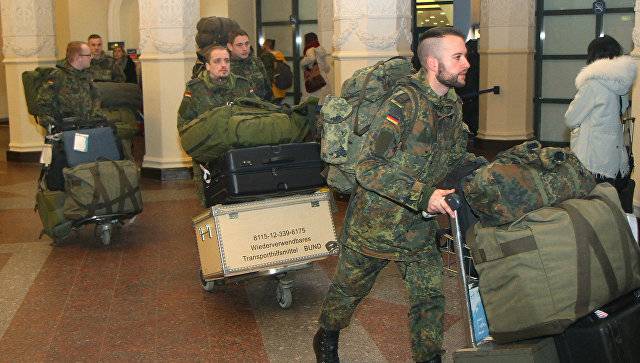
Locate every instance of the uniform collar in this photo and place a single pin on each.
(445, 105)
(209, 83)
(420, 79)
(66, 67)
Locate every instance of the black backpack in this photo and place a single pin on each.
(282, 75)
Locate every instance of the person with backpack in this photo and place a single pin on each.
(212, 88)
(316, 66)
(416, 139)
(277, 69)
(68, 90)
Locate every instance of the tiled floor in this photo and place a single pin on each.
(140, 299)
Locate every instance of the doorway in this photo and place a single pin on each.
(564, 29)
(286, 22)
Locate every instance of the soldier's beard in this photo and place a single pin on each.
(448, 79)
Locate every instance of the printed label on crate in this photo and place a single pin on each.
(272, 235)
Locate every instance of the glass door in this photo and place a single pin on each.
(286, 22)
(564, 30)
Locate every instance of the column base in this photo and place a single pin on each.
(23, 157)
(167, 174)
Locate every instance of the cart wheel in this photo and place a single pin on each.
(209, 285)
(284, 296)
(103, 231)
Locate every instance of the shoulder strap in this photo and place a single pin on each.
(414, 98)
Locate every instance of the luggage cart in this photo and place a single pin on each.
(255, 229)
(283, 293)
(105, 224)
(457, 260)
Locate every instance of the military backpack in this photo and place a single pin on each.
(32, 81)
(282, 75)
(346, 119)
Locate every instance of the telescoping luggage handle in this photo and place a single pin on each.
(455, 202)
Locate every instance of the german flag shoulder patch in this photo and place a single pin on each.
(392, 119)
(187, 94)
(50, 81)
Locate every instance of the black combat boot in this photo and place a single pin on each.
(325, 345)
(436, 359)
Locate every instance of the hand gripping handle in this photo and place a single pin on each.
(454, 201)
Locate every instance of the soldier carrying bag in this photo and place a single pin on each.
(554, 265)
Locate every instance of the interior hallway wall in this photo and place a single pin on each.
(214, 8)
(244, 12)
(4, 111)
(77, 19)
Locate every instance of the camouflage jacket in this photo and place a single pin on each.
(203, 94)
(68, 92)
(404, 156)
(105, 68)
(252, 69)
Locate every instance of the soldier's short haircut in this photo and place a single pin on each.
(429, 42)
(74, 49)
(211, 48)
(93, 36)
(234, 34)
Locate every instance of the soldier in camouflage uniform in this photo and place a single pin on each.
(103, 67)
(69, 91)
(407, 152)
(244, 64)
(211, 89)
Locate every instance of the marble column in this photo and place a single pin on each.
(28, 42)
(635, 108)
(506, 47)
(167, 43)
(366, 31)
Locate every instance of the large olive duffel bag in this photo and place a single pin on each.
(524, 178)
(102, 188)
(246, 122)
(554, 265)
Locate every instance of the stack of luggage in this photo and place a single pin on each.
(85, 179)
(251, 149)
(555, 255)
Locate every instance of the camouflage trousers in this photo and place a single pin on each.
(354, 278)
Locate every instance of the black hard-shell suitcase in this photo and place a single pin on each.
(614, 338)
(258, 172)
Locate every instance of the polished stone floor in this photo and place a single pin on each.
(140, 299)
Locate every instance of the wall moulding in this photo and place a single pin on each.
(350, 55)
(29, 60)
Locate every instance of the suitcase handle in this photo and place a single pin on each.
(279, 160)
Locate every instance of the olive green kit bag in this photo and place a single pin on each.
(50, 206)
(554, 265)
(102, 188)
(346, 119)
(245, 122)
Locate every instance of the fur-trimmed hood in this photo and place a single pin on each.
(617, 74)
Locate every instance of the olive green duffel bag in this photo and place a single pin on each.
(102, 188)
(50, 206)
(554, 265)
(245, 123)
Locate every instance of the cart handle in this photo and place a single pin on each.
(454, 201)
